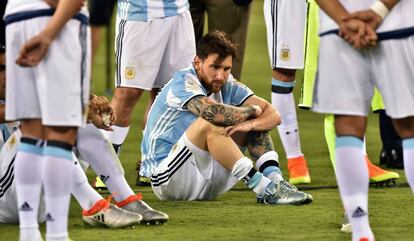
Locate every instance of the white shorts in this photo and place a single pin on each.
(57, 90)
(286, 23)
(189, 173)
(347, 77)
(149, 53)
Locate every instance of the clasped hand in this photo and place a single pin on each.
(358, 29)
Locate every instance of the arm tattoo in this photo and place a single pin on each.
(219, 114)
(258, 143)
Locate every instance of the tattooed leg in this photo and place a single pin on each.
(261, 149)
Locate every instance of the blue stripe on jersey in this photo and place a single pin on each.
(20, 16)
(57, 152)
(30, 148)
(276, 82)
(349, 141)
(170, 8)
(408, 143)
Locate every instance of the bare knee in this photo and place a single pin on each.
(350, 125)
(123, 102)
(404, 127)
(284, 75)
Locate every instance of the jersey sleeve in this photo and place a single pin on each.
(238, 92)
(184, 90)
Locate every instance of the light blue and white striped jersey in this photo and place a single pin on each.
(169, 117)
(147, 10)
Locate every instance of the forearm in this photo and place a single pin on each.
(65, 10)
(268, 120)
(220, 114)
(334, 9)
(390, 3)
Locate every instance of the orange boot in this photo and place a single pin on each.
(379, 175)
(298, 171)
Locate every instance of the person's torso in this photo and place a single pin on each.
(147, 10)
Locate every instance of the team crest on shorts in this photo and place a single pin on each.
(129, 72)
(12, 142)
(285, 54)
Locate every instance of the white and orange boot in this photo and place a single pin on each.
(298, 171)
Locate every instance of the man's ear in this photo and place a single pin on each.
(197, 62)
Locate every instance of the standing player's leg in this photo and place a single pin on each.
(352, 172)
(286, 50)
(405, 129)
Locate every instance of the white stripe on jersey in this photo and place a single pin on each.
(147, 10)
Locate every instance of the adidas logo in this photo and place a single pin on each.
(49, 218)
(25, 207)
(104, 178)
(359, 212)
(99, 218)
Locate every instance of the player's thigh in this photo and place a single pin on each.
(392, 63)
(344, 83)
(140, 47)
(63, 77)
(180, 49)
(285, 23)
(21, 90)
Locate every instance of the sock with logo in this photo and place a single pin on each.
(57, 175)
(27, 171)
(93, 147)
(408, 156)
(268, 165)
(352, 178)
(283, 100)
(86, 196)
(117, 137)
(243, 170)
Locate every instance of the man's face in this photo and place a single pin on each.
(212, 72)
(2, 75)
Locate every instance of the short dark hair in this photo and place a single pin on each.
(216, 42)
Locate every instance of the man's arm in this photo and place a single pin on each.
(36, 48)
(268, 120)
(221, 114)
(376, 14)
(354, 31)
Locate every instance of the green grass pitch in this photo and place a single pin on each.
(236, 216)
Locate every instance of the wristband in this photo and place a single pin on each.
(380, 8)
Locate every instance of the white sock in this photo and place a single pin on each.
(28, 174)
(118, 135)
(268, 164)
(288, 129)
(352, 178)
(408, 156)
(82, 191)
(57, 180)
(243, 170)
(94, 149)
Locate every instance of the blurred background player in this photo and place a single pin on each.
(347, 94)
(285, 24)
(229, 16)
(41, 98)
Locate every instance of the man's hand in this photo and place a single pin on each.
(369, 17)
(258, 110)
(245, 127)
(101, 113)
(357, 33)
(34, 50)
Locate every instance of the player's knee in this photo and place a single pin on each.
(404, 127)
(126, 96)
(285, 75)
